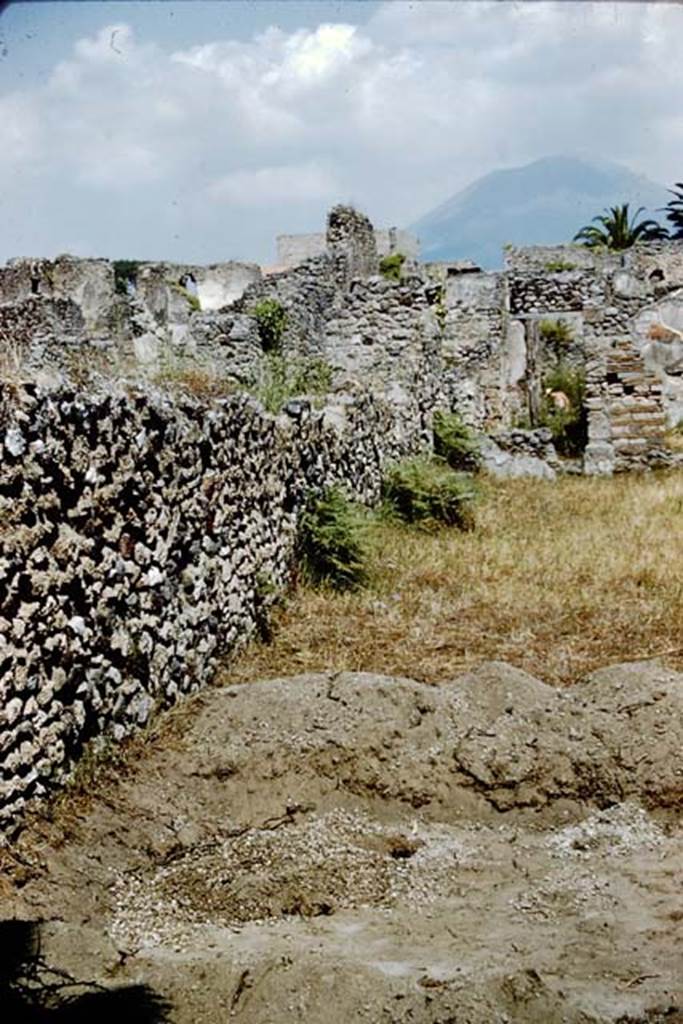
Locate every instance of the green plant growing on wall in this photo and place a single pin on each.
(428, 493)
(454, 442)
(390, 266)
(280, 379)
(271, 318)
(333, 541)
(557, 266)
(440, 310)
(125, 273)
(557, 336)
(569, 425)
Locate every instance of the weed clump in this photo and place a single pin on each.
(427, 492)
(280, 379)
(568, 425)
(271, 319)
(455, 442)
(558, 266)
(390, 266)
(333, 541)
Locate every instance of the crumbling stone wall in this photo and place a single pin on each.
(140, 539)
(88, 283)
(307, 294)
(49, 309)
(471, 339)
(351, 244)
(492, 322)
(474, 321)
(384, 331)
(608, 295)
(292, 250)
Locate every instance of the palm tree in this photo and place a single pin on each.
(616, 232)
(674, 210)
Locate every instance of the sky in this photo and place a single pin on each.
(197, 131)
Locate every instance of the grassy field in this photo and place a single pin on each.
(558, 579)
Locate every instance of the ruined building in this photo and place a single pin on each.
(143, 526)
(473, 340)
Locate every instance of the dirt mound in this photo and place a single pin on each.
(346, 847)
(496, 737)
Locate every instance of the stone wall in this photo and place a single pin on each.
(474, 318)
(51, 309)
(141, 539)
(141, 534)
(351, 244)
(478, 333)
(604, 297)
(292, 250)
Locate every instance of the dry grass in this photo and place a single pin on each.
(674, 438)
(558, 579)
(194, 380)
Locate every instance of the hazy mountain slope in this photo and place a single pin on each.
(543, 202)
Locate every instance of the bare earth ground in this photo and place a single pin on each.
(338, 847)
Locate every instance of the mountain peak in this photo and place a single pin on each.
(544, 202)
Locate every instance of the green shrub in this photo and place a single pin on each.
(569, 426)
(428, 492)
(271, 317)
(125, 272)
(333, 541)
(455, 442)
(556, 335)
(390, 266)
(280, 379)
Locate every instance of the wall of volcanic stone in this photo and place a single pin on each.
(140, 539)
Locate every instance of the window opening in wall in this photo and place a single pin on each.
(612, 378)
(35, 285)
(189, 283)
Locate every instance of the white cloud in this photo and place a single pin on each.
(273, 185)
(109, 45)
(396, 114)
(20, 130)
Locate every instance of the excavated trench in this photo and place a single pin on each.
(342, 847)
